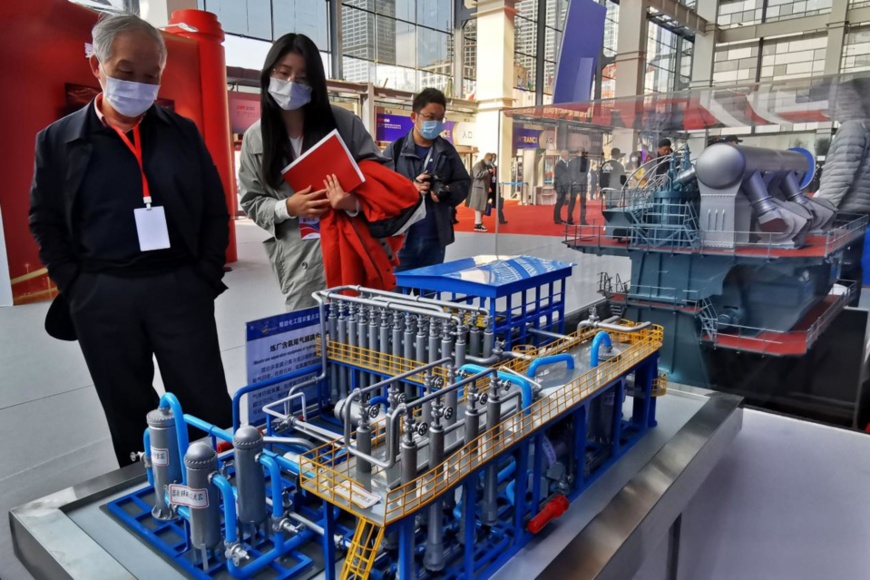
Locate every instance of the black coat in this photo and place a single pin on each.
(180, 167)
(447, 166)
(561, 175)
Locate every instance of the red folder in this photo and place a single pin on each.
(330, 156)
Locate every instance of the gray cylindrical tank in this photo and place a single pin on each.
(250, 479)
(165, 461)
(205, 514)
(724, 165)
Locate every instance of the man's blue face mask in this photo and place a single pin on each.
(431, 129)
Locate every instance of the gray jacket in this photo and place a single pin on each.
(846, 175)
(298, 263)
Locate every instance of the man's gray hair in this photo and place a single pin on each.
(110, 26)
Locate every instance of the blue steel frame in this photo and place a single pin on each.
(171, 538)
(547, 288)
(492, 546)
(505, 540)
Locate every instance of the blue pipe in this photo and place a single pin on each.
(229, 498)
(275, 481)
(380, 400)
(146, 442)
(549, 360)
(502, 476)
(237, 398)
(208, 428)
(510, 492)
(280, 548)
(602, 336)
(168, 400)
(524, 385)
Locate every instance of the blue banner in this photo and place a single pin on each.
(581, 46)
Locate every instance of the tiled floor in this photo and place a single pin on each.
(54, 432)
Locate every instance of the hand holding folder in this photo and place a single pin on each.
(329, 156)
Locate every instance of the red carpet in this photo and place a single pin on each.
(534, 220)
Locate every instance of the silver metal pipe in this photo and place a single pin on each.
(395, 305)
(417, 299)
(427, 307)
(484, 362)
(546, 333)
(613, 327)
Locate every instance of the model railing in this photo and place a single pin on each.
(766, 340)
(326, 470)
(410, 497)
(760, 245)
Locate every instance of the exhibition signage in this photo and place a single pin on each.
(276, 346)
(393, 124)
(578, 56)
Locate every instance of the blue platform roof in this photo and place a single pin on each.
(488, 276)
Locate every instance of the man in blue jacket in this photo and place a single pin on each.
(433, 164)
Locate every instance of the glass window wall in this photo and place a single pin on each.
(401, 44)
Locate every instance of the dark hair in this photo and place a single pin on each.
(317, 114)
(427, 96)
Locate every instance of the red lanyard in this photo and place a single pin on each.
(137, 153)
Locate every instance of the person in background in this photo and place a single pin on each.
(139, 257)
(436, 168)
(562, 183)
(845, 184)
(481, 175)
(593, 181)
(664, 154)
(494, 196)
(295, 115)
(611, 174)
(578, 169)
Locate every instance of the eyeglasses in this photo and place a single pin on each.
(286, 75)
(429, 117)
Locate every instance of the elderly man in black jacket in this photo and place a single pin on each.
(129, 213)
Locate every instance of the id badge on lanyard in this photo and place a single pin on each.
(429, 162)
(151, 224)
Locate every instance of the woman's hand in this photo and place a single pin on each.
(338, 198)
(307, 203)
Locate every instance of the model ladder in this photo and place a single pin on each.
(363, 550)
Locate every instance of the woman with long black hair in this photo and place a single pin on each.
(295, 115)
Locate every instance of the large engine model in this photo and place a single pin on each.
(727, 252)
(419, 446)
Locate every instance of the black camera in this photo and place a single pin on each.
(438, 187)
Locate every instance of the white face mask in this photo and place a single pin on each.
(289, 95)
(129, 98)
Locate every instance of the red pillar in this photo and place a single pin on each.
(204, 28)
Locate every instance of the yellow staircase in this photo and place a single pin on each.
(363, 550)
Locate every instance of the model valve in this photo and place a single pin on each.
(554, 508)
(236, 553)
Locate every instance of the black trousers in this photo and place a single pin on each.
(497, 201)
(123, 322)
(577, 190)
(562, 193)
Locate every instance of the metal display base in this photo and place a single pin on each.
(606, 534)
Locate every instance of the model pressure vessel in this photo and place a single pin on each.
(250, 479)
(165, 460)
(203, 497)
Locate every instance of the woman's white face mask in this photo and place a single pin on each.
(289, 95)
